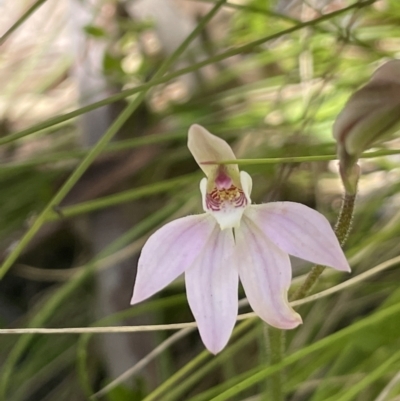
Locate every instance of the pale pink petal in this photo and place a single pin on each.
(169, 252)
(265, 273)
(212, 290)
(300, 231)
(247, 185)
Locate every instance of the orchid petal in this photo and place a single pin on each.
(265, 273)
(300, 231)
(203, 191)
(247, 185)
(208, 148)
(212, 290)
(169, 251)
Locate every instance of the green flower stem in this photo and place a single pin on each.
(158, 79)
(275, 340)
(343, 225)
(101, 144)
(342, 229)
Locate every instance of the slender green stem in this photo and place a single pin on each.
(301, 159)
(122, 197)
(343, 225)
(84, 339)
(243, 338)
(60, 195)
(159, 138)
(275, 340)
(101, 144)
(177, 380)
(21, 20)
(356, 389)
(342, 229)
(61, 295)
(339, 337)
(194, 67)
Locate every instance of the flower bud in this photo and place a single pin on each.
(370, 116)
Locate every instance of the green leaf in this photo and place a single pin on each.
(95, 31)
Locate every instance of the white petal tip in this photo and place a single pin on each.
(297, 322)
(137, 297)
(194, 127)
(346, 269)
(292, 324)
(286, 322)
(215, 348)
(214, 351)
(342, 266)
(197, 130)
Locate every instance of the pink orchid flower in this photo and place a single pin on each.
(233, 239)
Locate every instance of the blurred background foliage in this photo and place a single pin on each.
(269, 76)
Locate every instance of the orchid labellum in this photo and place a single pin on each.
(234, 239)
